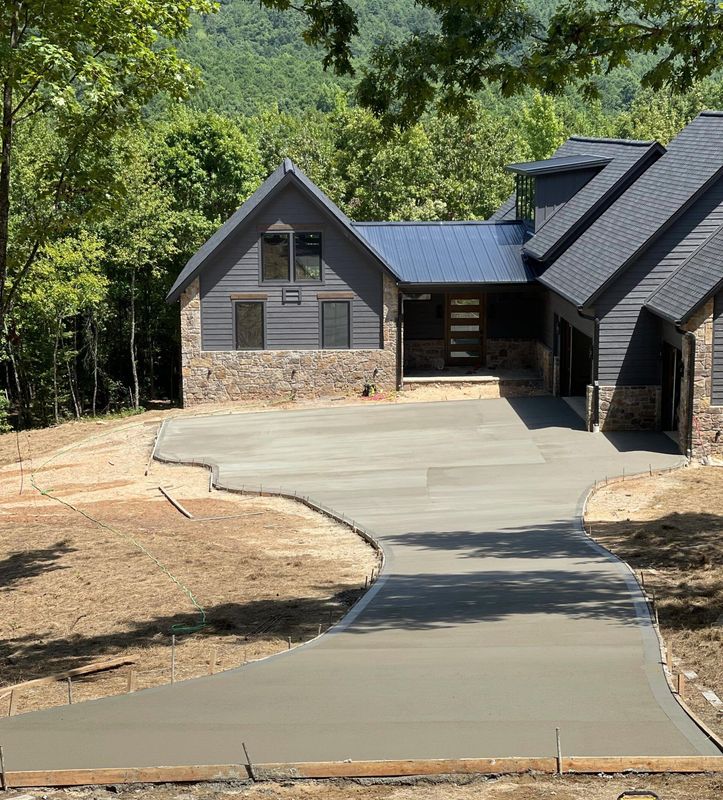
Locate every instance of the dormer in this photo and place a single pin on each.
(541, 187)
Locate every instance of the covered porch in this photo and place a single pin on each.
(482, 334)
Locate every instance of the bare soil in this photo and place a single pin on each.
(525, 787)
(113, 575)
(669, 528)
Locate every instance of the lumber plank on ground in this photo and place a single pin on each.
(644, 764)
(88, 669)
(96, 777)
(359, 769)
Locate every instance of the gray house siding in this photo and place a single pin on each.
(629, 341)
(717, 377)
(557, 306)
(290, 325)
(553, 191)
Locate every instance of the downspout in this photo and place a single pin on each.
(400, 338)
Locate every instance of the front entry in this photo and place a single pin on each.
(465, 329)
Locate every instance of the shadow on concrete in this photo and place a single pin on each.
(32, 563)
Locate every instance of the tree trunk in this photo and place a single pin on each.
(94, 346)
(55, 375)
(134, 365)
(6, 151)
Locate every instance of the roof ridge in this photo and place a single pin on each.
(612, 140)
(711, 113)
(433, 222)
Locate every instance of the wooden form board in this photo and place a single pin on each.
(358, 769)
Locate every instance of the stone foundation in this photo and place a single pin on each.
(707, 434)
(511, 354)
(628, 408)
(424, 354)
(221, 376)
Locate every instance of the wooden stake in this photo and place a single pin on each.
(173, 658)
(669, 658)
(3, 778)
(681, 684)
(13, 707)
(132, 680)
(248, 762)
(559, 751)
(70, 690)
(212, 659)
(319, 633)
(289, 640)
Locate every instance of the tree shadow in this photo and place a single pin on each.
(32, 656)
(32, 563)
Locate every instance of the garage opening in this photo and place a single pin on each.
(671, 383)
(576, 360)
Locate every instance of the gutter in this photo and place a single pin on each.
(690, 336)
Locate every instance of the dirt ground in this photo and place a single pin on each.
(670, 528)
(73, 591)
(525, 787)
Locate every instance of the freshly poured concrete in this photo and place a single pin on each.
(494, 622)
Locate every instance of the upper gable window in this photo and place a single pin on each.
(275, 253)
(291, 256)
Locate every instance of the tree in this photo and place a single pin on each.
(88, 68)
(507, 43)
(541, 126)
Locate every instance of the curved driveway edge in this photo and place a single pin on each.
(495, 620)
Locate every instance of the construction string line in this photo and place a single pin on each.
(178, 627)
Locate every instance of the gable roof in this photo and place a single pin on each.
(623, 159)
(451, 252)
(697, 278)
(286, 173)
(668, 187)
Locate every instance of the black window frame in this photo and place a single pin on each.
(525, 198)
(291, 274)
(289, 241)
(261, 303)
(350, 329)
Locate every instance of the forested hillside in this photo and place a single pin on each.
(251, 57)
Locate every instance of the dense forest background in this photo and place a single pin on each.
(89, 331)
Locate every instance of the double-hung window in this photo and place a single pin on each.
(249, 325)
(287, 256)
(335, 325)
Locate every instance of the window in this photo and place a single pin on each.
(249, 326)
(307, 256)
(280, 251)
(275, 252)
(525, 198)
(335, 325)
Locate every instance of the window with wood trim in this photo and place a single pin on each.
(287, 256)
(275, 257)
(249, 325)
(335, 325)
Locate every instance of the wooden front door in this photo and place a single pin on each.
(465, 329)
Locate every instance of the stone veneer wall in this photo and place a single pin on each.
(424, 354)
(228, 375)
(545, 363)
(511, 354)
(707, 438)
(628, 408)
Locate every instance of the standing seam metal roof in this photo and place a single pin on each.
(692, 283)
(451, 252)
(693, 160)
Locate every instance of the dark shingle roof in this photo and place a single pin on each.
(692, 283)
(506, 211)
(668, 187)
(558, 163)
(450, 252)
(287, 172)
(624, 159)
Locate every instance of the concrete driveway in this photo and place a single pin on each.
(494, 622)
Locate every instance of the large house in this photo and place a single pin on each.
(601, 277)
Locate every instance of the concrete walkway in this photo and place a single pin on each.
(494, 622)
